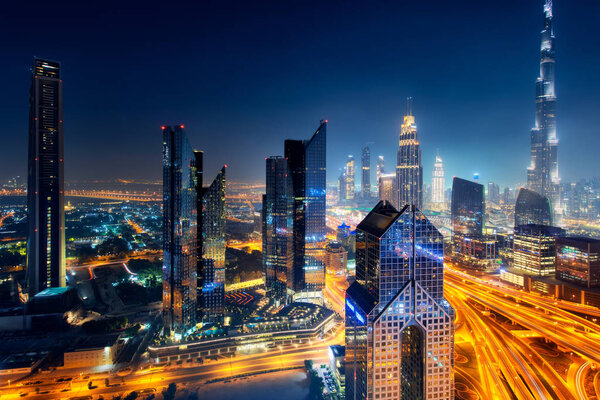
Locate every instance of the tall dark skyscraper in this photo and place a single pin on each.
(278, 239)
(45, 186)
(532, 208)
(399, 327)
(366, 173)
(542, 174)
(468, 208)
(212, 263)
(179, 233)
(409, 170)
(307, 164)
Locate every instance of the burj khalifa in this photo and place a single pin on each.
(542, 174)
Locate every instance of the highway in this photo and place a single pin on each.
(511, 345)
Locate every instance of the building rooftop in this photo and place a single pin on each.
(379, 219)
(361, 296)
(53, 291)
(95, 342)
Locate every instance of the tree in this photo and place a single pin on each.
(169, 394)
(131, 396)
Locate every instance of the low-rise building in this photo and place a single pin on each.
(578, 261)
(534, 249)
(336, 258)
(93, 351)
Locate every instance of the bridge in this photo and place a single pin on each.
(114, 195)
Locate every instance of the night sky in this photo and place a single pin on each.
(243, 76)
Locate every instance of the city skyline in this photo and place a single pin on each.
(508, 93)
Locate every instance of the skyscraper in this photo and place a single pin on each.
(468, 208)
(542, 174)
(179, 233)
(350, 185)
(278, 239)
(342, 186)
(438, 182)
(307, 164)
(212, 264)
(493, 193)
(387, 186)
(45, 190)
(399, 327)
(366, 173)
(532, 208)
(380, 169)
(409, 171)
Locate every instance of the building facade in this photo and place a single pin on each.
(278, 239)
(532, 208)
(212, 264)
(350, 188)
(45, 185)
(438, 183)
(365, 187)
(534, 249)
(542, 174)
(380, 169)
(399, 327)
(179, 233)
(336, 258)
(387, 188)
(307, 164)
(578, 261)
(409, 170)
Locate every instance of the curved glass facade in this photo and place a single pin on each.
(532, 208)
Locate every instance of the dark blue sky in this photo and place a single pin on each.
(243, 76)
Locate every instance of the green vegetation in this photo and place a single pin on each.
(105, 325)
(149, 273)
(169, 394)
(242, 266)
(11, 257)
(113, 246)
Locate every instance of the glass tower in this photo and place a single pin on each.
(179, 233)
(45, 190)
(409, 170)
(399, 327)
(350, 186)
(468, 208)
(532, 208)
(542, 174)
(213, 249)
(278, 239)
(307, 164)
(438, 182)
(366, 173)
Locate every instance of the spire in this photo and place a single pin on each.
(548, 9)
(409, 106)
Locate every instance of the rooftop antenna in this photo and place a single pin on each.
(409, 105)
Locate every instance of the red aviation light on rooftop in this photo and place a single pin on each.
(181, 126)
(163, 127)
(226, 164)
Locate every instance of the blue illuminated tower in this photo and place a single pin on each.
(542, 174)
(307, 164)
(278, 239)
(179, 233)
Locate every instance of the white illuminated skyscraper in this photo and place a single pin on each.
(438, 183)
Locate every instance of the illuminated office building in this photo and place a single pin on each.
(45, 190)
(336, 258)
(349, 175)
(387, 186)
(179, 233)
(542, 174)
(532, 208)
(380, 168)
(212, 264)
(342, 186)
(399, 328)
(578, 261)
(438, 182)
(365, 187)
(534, 249)
(409, 170)
(493, 193)
(278, 239)
(470, 246)
(307, 164)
